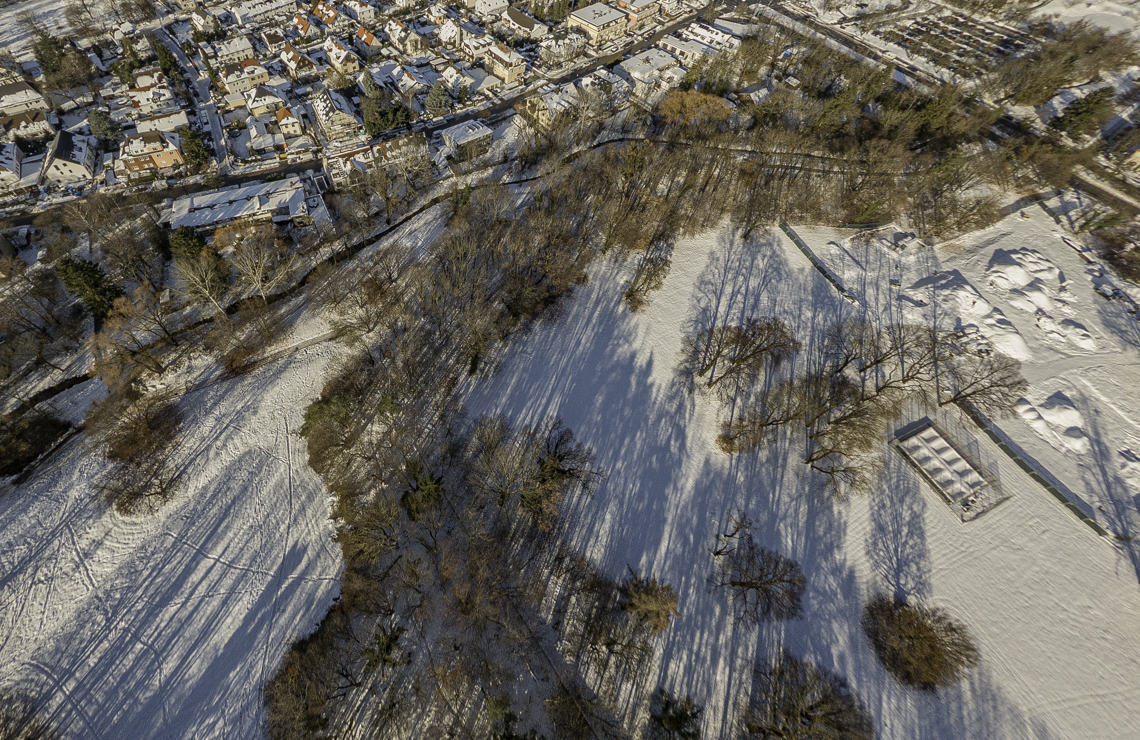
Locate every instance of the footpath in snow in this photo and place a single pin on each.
(168, 627)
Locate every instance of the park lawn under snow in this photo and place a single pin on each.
(169, 626)
(1054, 609)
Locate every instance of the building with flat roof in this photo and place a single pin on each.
(600, 23)
(467, 140)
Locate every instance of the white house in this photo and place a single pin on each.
(487, 8)
(715, 37)
(171, 121)
(288, 124)
(70, 160)
(366, 42)
(233, 50)
(17, 97)
(11, 156)
(523, 25)
(274, 40)
(359, 11)
(204, 21)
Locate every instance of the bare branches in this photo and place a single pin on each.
(731, 358)
(762, 585)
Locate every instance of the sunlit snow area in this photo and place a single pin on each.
(1038, 588)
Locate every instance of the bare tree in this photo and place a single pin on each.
(763, 585)
(21, 719)
(649, 275)
(261, 259)
(204, 279)
(729, 358)
(992, 381)
(796, 700)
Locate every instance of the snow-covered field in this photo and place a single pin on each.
(168, 627)
(1055, 609)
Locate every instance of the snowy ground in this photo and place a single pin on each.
(168, 627)
(1055, 610)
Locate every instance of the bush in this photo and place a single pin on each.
(22, 441)
(654, 604)
(796, 699)
(20, 720)
(921, 646)
(674, 719)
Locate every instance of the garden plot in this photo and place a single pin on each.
(950, 471)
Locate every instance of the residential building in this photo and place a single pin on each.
(11, 157)
(366, 42)
(329, 16)
(487, 8)
(335, 116)
(639, 11)
(70, 160)
(297, 64)
(171, 121)
(541, 109)
(449, 33)
(359, 11)
(263, 138)
(408, 80)
(521, 24)
(339, 56)
(149, 153)
(149, 76)
(279, 201)
(341, 164)
(613, 89)
(289, 125)
(715, 37)
(187, 5)
(687, 51)
(600, 23)
(651, 73)
(304, 26)
(238, 78)
(506, 64)
(32, 124)
(456, 78)
(467, 140)
(262, 101)
(474, 48)
(152, 99)
(18, 97)
(404, 38)
(205, 21)
(274, 41)
(255, 10)
(233, 50)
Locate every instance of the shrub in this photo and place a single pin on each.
(22, 441)
(796, 699)
(20, 719)
(654, 604)
(921, 646)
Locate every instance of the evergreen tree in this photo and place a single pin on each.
(437, 100)
(103, 126)
(167, 60)
(49, 53)
(194, 149)
(379, 118)
(86, 281)
(185, 243)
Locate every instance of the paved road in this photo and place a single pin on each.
(201, 91)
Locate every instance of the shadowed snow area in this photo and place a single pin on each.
(168, 626)
(1055, 616)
